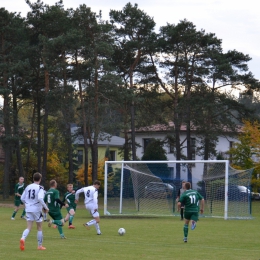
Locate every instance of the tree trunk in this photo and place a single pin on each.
(178, 148)
(7, 126)
(39, 138)
(70, 154)
(84, 123)
(126, 146)
(27, 165)
(94, 150)
(7, 146)
(67, 115)
(206, 148)
(132, 112)
(189, 152)
(177, 125)
(45, 129)
(7, 140)
(16, 131)
(94, 146)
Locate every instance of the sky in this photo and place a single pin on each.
(236, 22)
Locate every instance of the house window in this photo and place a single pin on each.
(171, 172)
(146, 142)
(112, 155)
(231, 144)
(193, 148)
(80, 157)
(171, 148)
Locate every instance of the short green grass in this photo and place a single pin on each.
(145, 238)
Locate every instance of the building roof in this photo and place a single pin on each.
(170, 127)
(159, 128)
(104, 139)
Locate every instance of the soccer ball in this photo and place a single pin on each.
(121, 231)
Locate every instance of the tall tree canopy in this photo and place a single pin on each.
(59, 67)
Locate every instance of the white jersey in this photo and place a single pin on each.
(91, 195)
(32, 197)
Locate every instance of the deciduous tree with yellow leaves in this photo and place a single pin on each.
(246, 153)
(101, 169)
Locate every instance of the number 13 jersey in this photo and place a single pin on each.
(33, 196)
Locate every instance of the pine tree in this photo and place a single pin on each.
(134, 35)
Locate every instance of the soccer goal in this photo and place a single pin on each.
(151, 187)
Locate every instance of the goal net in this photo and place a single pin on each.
(151, 187)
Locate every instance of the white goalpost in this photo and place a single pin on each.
(151, 187)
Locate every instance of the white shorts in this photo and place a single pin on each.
(34, 216)
(92, 210)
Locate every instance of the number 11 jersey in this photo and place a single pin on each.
(191, 198)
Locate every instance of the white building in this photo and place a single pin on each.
(145, 134)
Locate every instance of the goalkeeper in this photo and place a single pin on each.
(180, 192)
(190, 198)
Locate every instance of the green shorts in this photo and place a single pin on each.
(191, 216)
(55, 215)
(17, 203)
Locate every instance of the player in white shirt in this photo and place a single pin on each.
(33, 197)
(91, 204)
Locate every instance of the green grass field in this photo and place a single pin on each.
(145, 238)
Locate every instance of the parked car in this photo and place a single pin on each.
(235, 193)
(255, 196)
(158, 190)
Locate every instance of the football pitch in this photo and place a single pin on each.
(145, 238)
